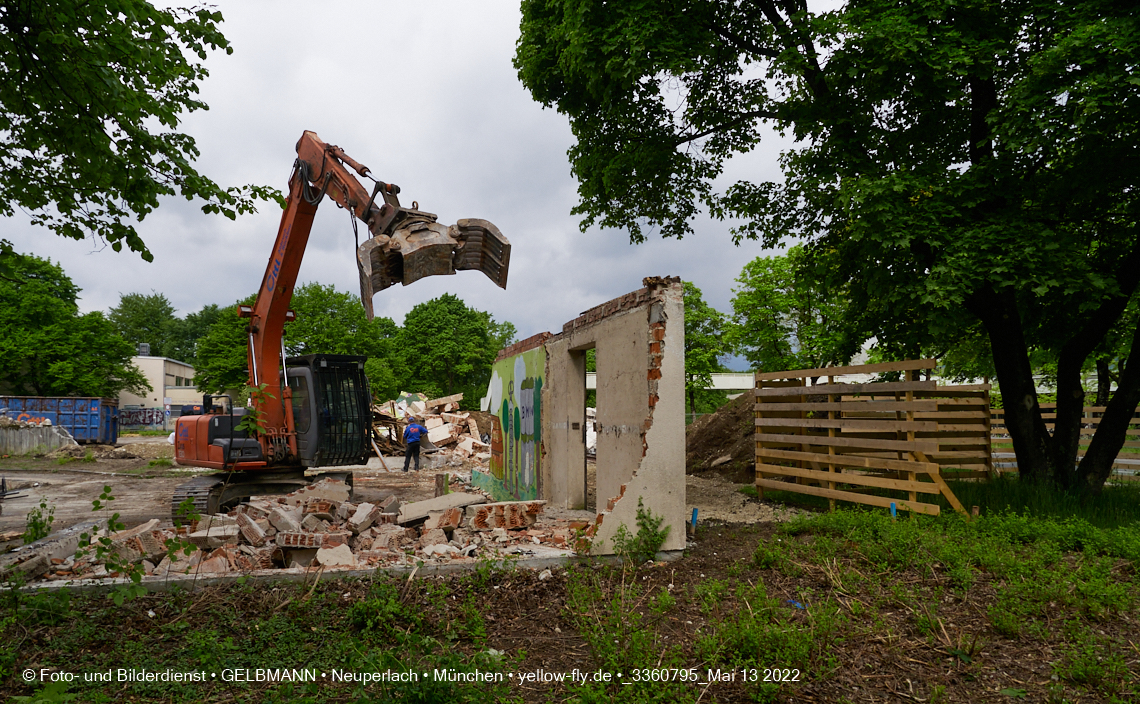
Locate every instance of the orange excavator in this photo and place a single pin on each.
(315, 411)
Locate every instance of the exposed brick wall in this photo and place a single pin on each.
(524, 345)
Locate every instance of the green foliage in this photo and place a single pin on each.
(104, 550)
(448, 348)
(92, 93)
(785, 319)
(333, 322)
(1118, 506)
(705, 345)
(52, 693)
(952, 167)
(39, 520)
(253, 422)
(443, 348)
(222, 353)
(47, 348)
(144, 318)
(642, 546)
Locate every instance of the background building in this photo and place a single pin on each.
(172, 384)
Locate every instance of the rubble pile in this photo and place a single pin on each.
(7, 422)
(447, 426)
(315, 526)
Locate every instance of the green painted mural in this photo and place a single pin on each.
(514, 397)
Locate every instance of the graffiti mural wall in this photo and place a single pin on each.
(514, 398)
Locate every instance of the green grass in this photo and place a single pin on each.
(146, 433)
(1117, 506)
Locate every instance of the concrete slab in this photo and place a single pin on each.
(421, 509)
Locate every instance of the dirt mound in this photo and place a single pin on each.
(724, 442)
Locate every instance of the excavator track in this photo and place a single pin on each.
(198, 491)
(216, 493)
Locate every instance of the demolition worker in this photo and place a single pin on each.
(412, 435)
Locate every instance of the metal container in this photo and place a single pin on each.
(89, 420)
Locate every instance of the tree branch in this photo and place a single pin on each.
(740, 42)
(726, 125)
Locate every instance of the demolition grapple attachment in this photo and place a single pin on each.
(418, 246)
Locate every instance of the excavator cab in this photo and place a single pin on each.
(331, 409)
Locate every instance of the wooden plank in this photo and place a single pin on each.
(899, 445)
(964, 388)
(883, 501)
(950, 414)
(850, 478)
(878, 387)
(856, 369)
(870, 424)
(847, 460)
(963, 428)
(844, 406)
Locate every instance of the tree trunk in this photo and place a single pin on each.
(1113, 429)
(1066, 439)
(1103, 381)
(1031, 441)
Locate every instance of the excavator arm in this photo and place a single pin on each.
(405, 245)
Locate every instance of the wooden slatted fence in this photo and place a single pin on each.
(1126, 466)
(816, 435)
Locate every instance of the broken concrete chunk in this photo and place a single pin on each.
(300, 558)
(132, 532)
(437, 550)
(214, 537)
(447, 519)
(421, 509)
(251, 529)
(365, 515)
(321, 508)
(389, 504)
(178, 563)
(313, 524)
(284, 521)
(328, 489)
(254, 511)
(433, 537)
(208, 522)
(345, 510)
(339, 556)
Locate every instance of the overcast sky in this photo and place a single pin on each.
(425, 95)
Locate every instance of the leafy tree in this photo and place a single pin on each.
(333, 322)
(47, 348)
(957, 163)
(704, 347)
(448, 348)
(91, 96)
(783, 319)
(328, 322)
(145, 318)
(182, 339)
(223, 352)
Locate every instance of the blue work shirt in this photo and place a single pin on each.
(413, 432)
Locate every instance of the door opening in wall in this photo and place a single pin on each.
(589, 434)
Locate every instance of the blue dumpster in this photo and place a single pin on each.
(94, 420)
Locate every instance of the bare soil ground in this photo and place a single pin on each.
(724, 439)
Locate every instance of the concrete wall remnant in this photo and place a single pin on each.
(514, 398)
(639, 340)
